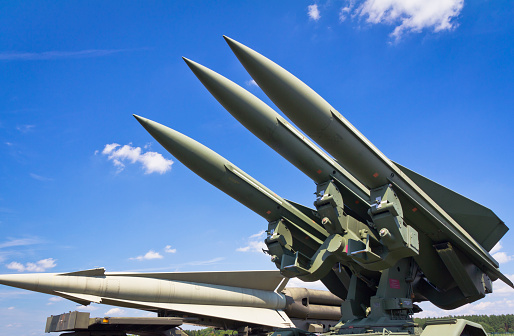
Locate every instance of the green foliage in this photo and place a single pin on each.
(210, 332)
(492, 324)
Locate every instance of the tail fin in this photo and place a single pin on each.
(480, 222)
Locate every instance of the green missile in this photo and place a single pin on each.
(309, 111)
(318, 119)
(225, 176)
(284, 138)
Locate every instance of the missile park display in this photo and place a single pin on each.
(381, 237)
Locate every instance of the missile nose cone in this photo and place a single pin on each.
(199, 70)
(25, 281)
(188, 61)
(158, 131)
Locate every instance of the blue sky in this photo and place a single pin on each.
(431, 85)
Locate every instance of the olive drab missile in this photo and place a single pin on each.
(280, 135)
(302, 223)
(391, 236)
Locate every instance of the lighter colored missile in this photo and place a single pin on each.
(246, 297)
(353, 151)
(225, 176)
(284, 138)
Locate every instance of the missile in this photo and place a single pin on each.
(319, 120)
(224, 175)
(284, 138)
(241, 298)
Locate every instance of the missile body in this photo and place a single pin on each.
(214, 294)
(234, 182)
(280, 135)
(359, 156)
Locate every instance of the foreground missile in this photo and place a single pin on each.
(233, 181)
(358, 155)
(280, 135)
(244, 298)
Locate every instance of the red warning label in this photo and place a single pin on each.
(394, 283)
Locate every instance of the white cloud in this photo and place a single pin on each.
(251, 83)
(255, 243)
(148, 256)
(168, 249)
(499, 255)
(39, 266)
(10, 308)
(406, 15)
(152, 162)
(500, 288)
(89, 307)
(502, 257)
(54, 299)
(496, 248)
(114, 312)
(313, 12)
(295, 282)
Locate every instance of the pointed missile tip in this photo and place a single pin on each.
(231, 42)
(191, 64)
(138, 118)
(143, 121)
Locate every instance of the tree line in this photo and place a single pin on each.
(491, 323)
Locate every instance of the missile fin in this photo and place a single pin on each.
(261, 316)
(311, 213)
(481, 223)
(262, 280)
(83, 299)
(90, 272)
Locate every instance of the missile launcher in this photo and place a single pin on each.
(381, 236)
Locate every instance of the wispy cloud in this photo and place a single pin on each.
(148, 256)
(38, 266)
(6, 247)
(20, 242)
(406, 15)
(152, 162)
(40, 178)
(168, 249)
(255, 243)
(204, 262)
(313, 12)
(25, 128)
(53, 55)
(14, 293)
(115, 312)
(54, 299)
